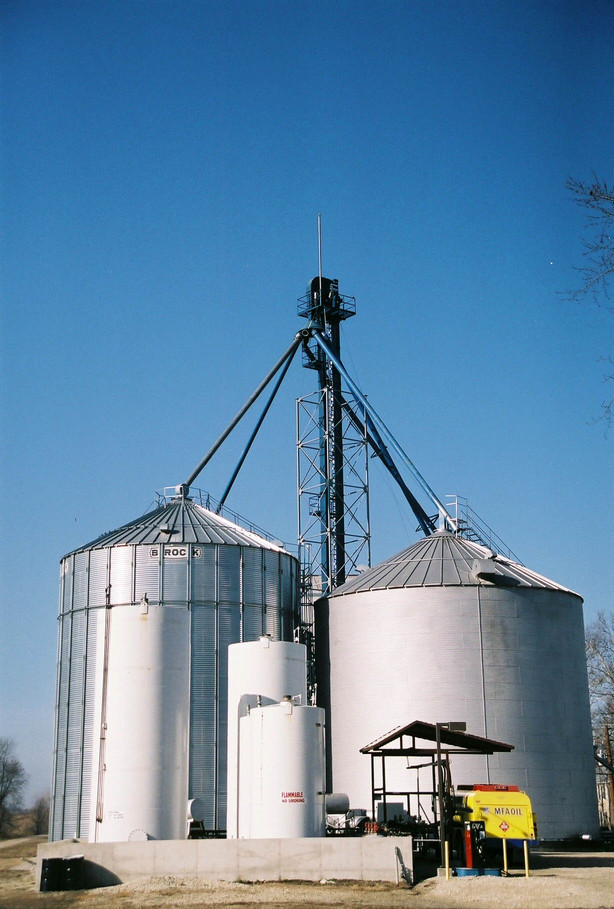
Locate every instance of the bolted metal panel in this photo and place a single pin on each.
(229, 621)
(147, 573)
(288, 599)
(121, 575)
(56, 807)
(52, 800)
(229, 574)
(74, 741)
(175, 575)
(98, 574)
(272, 623)
(76, 679)
(202, 778)
(272, 593)
(71, 794)
(203, 575)
(67, 579)
(252, 576)
(252, 625)
(61, 726)
(89, 705)
(272, 580)
(80, 580)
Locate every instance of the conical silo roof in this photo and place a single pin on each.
(446, 560)
(181, 521)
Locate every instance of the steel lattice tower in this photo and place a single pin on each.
(333, 503)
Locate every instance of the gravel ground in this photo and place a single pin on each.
(558, 881)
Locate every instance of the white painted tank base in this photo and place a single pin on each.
(259, 672)
(281, 772)
(143, 784)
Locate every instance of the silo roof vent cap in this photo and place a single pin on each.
(487, 570)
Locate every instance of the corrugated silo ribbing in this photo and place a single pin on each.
(223, 585)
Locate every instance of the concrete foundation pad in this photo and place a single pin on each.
(259, 860)
(217, 862)
(297, 863)
(368, 858)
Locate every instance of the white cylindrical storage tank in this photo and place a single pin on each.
(144, 785)
(281, 772)
(147, 613)
(259, 673)
(449, 631)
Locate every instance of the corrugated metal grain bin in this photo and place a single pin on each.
(146, 616)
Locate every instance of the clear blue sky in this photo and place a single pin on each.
(163, 164)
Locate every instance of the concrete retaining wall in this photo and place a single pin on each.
(368, 858)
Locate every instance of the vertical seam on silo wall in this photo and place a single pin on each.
(216, 685)
(133, 574)
(483, 679)
(84, 694)
(58, 668)
(241, 591)
(72, 593)
(264, 603)
(190, 611)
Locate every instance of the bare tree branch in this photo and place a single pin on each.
(598, 199)
(600, 665)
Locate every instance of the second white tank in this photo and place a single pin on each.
(281, 772)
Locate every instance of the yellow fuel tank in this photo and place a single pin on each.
(505, 811)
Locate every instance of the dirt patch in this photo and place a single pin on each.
(558, 881)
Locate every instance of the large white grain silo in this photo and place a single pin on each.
(147, 613)
(449, 631)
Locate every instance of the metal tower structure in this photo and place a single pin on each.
(336, 427)
(333, 479)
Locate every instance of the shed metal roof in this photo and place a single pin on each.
(427, 732)
(181, 521)
(445, 559)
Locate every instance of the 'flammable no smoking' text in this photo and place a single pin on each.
(292, 797)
